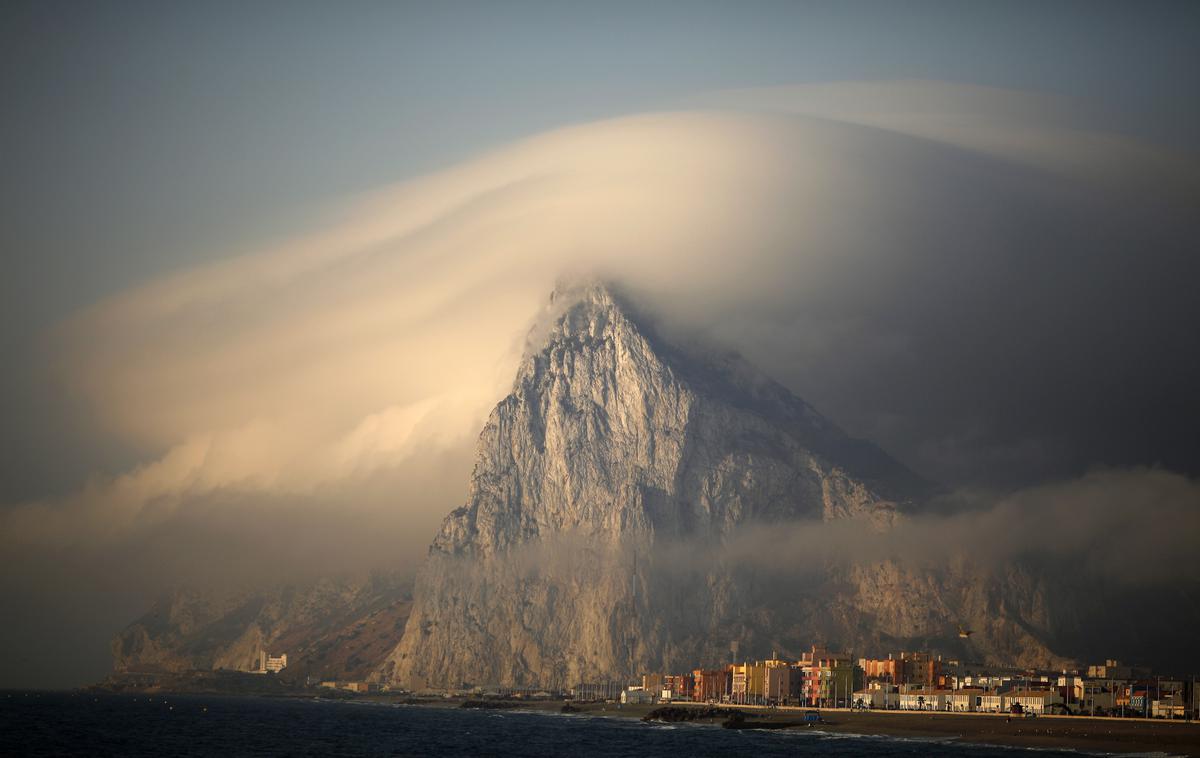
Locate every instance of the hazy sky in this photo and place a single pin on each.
(272, 264)
(140, 138)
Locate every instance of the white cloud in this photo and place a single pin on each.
(393, 332)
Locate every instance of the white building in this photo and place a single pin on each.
(879, 696)
(1037, 701)
(992, 702)
(1168, 708)
(987, 681)
(636, 695)
(930, 700)
(270, 663)
(967, 700)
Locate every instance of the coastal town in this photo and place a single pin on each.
(920, 695)
(919, 681)
(901, 681)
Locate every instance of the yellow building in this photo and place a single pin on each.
(749, 682)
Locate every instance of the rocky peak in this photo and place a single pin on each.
(615, 442)
(610, 429)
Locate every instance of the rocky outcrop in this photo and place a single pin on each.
(332, 629)
(607, 488)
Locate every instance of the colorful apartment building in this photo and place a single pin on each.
(882, 670)
(914, 681)
(748, 682)
(710, 684)
(678, 687)
(827, 678)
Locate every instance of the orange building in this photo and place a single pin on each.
(882, 670)
(710, 684)
(920, 669)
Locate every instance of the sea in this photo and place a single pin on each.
(86, 724)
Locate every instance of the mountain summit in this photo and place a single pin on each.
(609, 429)
(607, 489)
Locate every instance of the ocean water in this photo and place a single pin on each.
(67, 724)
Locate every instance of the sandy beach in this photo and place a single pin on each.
(1090, 735)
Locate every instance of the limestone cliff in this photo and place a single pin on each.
(606, 489)
(331, 629)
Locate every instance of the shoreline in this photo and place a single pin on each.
(1085, 734)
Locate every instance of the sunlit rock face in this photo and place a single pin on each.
(607, 432)
(607, 486)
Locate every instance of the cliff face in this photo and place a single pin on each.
(608, 433)
(329, 629)
(607, 488)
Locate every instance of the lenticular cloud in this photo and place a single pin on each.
(817, 229)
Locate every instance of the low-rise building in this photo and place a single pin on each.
(1169, 707)
(925, 700)
(877, 695)
(1035, 701)
(992, 701)
(591, 691)
(1113, 669)
(967, 700)
(1097, 697)
(988, 681)
(351, 686)
(636, 696)
(1071, 686)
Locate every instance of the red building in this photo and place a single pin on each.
(681, 685)
(709, 684)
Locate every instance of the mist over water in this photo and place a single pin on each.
(1080, 563)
